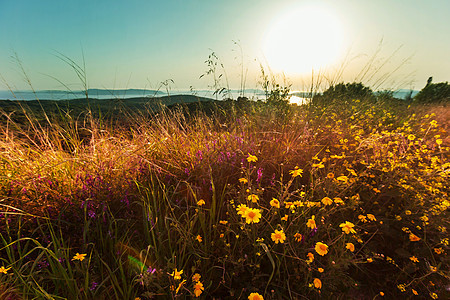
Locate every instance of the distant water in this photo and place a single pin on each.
(123, 94)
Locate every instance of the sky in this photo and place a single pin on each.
(386, 44)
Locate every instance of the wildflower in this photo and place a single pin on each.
(285, 218)
(398, 218)
(344, 179)
(79, 257)
(439, 250)
(252, 215)
(411, 137)
(432, 268)
(198, 288)
(414, 292)
(369, 260)
(4, 270)
(223, 222)
(321, 248)
(338, 200)
(319, 165)
(362, 218)
(381, 294)
(433, 295)
(254, 198)
(278, 236)
(320, 270)
(241, 209)
(413, 237)
(275, 203)
(327, 201)
(371, 217)
(199, 238)
(347, 227)
(298, 237)
(414, 259)
(201, 202)
(330, 175)
(296, 172)
(317, 283)
(243, 180)
(252, 158)
(407, 212)
(439, 141)
(401, 287)
(255, 296)
(311, 223)
(350, 247)
(310, 257)
(176, 274)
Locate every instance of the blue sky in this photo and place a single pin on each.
(138, 44)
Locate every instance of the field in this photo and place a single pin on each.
(226, 200)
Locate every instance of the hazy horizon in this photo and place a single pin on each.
(142, 44)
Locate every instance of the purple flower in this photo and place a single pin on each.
(259, 173)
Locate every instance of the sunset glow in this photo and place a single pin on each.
(303, 39)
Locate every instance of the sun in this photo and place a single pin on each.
(302, 40)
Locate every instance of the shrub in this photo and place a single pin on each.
(434, 92)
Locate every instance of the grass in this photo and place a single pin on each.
(229, 200)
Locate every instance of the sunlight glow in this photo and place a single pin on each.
(304, 39)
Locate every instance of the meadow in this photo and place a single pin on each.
(227, 200)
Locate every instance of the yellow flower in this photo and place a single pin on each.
(310, 257)
(311, 223)
(338, 200)
(241, 209)
(176, 274)
(407, 212)
(275, 203)
(201, 202)
(439, 250)
(255, 296)
(198, 288)
(414, 259)
(278, 236)
(321, 248)
(223, 222)
(411, 137)
(254, 198)
(344, 179)
(298, 237)
(252, 215)
(327, 201)
(196, 277)
(320, 270)
(362, 218)
(381, 294)
(252, 158)
(285, 218)
(414, 292)
(413, 237)
(199, 238)
(439, 141)
(330, 175)
(243, 180)
(369, 260)
(347, 227)
(371, 217)
(4, 270)
(350, 247)
(296, 172)
(433, 295)
(317, 283)
(79, 257)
